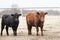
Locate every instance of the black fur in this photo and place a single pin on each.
(10, 21)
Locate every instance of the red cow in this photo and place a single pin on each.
(35, 19)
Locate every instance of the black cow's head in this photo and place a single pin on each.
(16, 16)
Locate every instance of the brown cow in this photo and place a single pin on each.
(35, 19)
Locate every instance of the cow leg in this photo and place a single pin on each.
(2, 27)
(37, 29)
(7, 30)
(42, 31)
(14, 31)
(29, 30)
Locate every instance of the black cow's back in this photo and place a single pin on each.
(7, 20)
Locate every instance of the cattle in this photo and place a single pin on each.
(35, 19)
(10, 21)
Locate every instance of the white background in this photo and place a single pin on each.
(29, 3)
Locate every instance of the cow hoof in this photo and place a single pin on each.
(41, 35)
(1, 35)
(29, 34)
(37, 34)
(15, 35)
(7, 35)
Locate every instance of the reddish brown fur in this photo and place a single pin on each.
(35, 19)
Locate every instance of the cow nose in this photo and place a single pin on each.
(15, 19)
(42, 20)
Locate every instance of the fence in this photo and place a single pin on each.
(23, 11)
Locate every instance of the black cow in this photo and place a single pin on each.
(10, 21)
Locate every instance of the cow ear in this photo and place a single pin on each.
(12, 14)
(46, 13)
(19, 14)
(38, 13)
